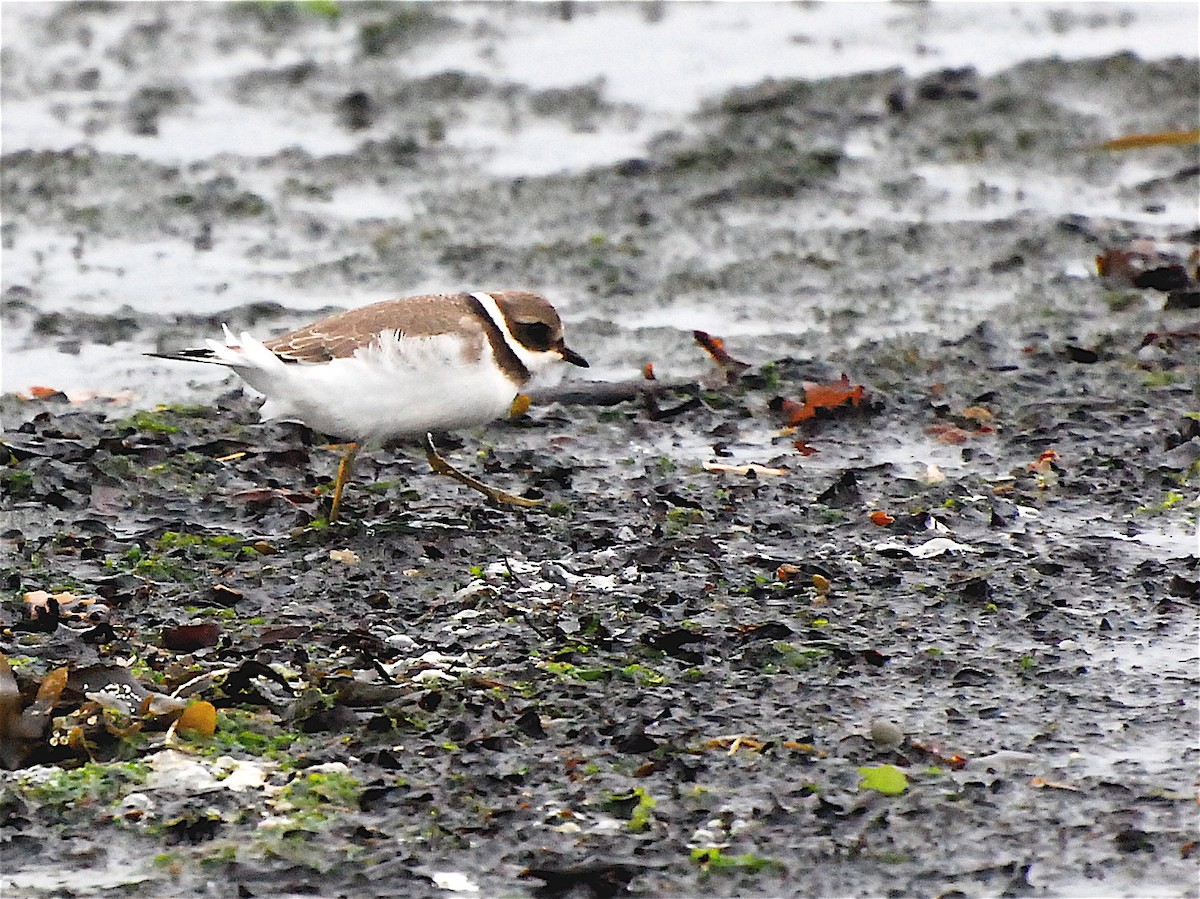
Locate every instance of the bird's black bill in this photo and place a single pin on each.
(569, 355)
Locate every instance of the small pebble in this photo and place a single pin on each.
(886, 734)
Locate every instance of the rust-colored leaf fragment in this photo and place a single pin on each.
(1113, 263)
(190, 637)
(823, 396)
(881, 518)
(200, 717)
(789, 410)
(787, 572)
(12, 746)
(1045, 462)
(21, 731)
(715, 347)
(954, 761)
(947, 433)
(1042, 783)
(648, 372)
(1145, 265)
(49, 690)
(266, 494)
(1044, 469)
(1170, 338)
(804, 449)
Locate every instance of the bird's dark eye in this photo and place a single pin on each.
(534, 335)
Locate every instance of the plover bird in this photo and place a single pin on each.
(401, 369)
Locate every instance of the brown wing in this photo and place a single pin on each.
(340, 335)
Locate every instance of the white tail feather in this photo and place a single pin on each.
(244, 352)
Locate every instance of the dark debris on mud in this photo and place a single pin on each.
(664, 681)
(951, 652)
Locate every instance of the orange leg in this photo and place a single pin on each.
(343, 475)
(441, 466)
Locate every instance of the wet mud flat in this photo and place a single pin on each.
(937, 638)
(668, 680)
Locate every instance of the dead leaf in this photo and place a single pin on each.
(344, 556)
(787, 572)
(263, 494)
(190, 637)
(819, 397)
(946, 433)
(520, 405)
(715, 347)
(977, 413)
(22, 730)
(1045, 462)
(41, 393)
(1042, 783)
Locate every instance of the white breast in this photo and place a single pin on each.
(398, 387)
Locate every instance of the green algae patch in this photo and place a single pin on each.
(91, 784)
(714, 860)
(886, 779)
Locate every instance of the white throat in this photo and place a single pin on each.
(534, 360)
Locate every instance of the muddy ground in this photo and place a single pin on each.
(671, 679)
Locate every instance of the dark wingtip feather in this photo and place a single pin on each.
(194, 354)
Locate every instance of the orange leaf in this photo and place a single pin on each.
(881, 518)
(823, 396)
(715, 347)
(49, 690)
(648, 372)
(786, 572)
